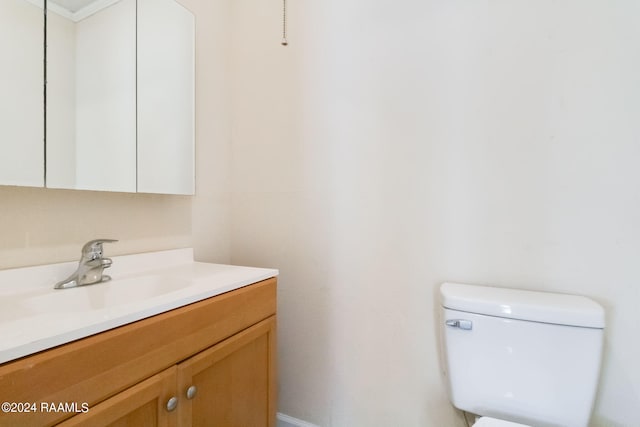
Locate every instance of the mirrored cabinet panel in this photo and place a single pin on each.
(21, 93)
(165, 97)
(120, 96)
(119, 102)
(91, 95)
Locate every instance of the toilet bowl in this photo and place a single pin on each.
(494, 422)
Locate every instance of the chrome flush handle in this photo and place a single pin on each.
(467, 325)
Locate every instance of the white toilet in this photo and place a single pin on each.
(521, 358)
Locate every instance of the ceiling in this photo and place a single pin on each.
(77, 10)
(73, 5)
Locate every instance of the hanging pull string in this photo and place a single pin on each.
(284, 41)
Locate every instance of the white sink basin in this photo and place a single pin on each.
(114, 293)
(34, 316)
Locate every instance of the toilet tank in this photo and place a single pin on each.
(522, 356)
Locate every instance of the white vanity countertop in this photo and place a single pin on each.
(35, 317)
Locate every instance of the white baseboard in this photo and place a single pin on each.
(287, 421)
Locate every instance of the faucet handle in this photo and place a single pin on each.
(93, 248)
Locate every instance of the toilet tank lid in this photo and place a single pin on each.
(546, 307)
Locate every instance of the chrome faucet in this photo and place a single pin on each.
(91, 266)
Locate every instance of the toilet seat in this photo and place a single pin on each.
(494, 422)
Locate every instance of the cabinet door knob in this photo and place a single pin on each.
(191, 392)
(172, 404)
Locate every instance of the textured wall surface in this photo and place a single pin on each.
(396, 145)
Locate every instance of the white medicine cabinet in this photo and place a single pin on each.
(120, 95)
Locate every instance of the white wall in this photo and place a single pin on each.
(393, 146)
(212, 203)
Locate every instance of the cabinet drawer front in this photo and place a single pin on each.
(97, 367)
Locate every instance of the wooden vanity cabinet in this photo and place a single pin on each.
(215, 357)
